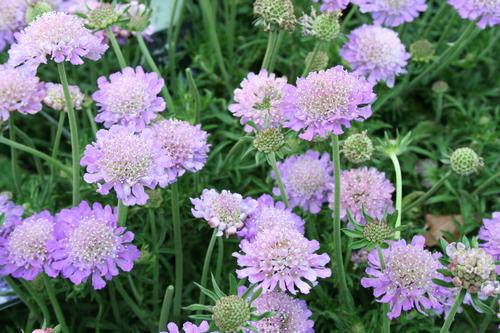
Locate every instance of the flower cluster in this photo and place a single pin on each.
(54, 96)
(392, 13)
(487, 12)
(11, 20)
(490, 235)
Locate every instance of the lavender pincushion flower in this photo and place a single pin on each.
(306, 178)
(11, 20)
(54, 97)
(20, 91)
(490, 235)
(258, 100)
(333, 5)
(406, 282)
(59, 36)
(184, 144)
(324, 101)
(269, 216)
(129, 97)
(10, 214)
(376, 52)
(90, 244)
(126, 161)
(24, 248)
(225, 211)
(188, 327)
(281, 258)
(487, 11)
(392, 13)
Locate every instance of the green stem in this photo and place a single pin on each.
(136, 309)
(55, 303)
(122, 213)
(220, 258)
(429, 193)
(439, 107)
(179, 265)
(399, 192)
(196, 95)
(307, 69)
(26, 138)
(386, 323)
(337, 240)
(165, 308)
(435, 19)
(156, 262)
(206, 265)
(453, 311)
(38, 300)
(486, 321)
(272, 161)
(13, 156)
(116, 48)
(171, 43)
(486, 183)
(21, 294)
(91, 118)
(277, 46)
(73, 127)
(271, 41)
(349, 15)
(55, 147)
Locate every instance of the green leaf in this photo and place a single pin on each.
(445, 272)
(248, 291)
(218, 291)
(480, 305)
(256, 295)
(352, 233)
(359, 244)
(198, 307)
(443, 243)
(201, 316)
(443, 283)
(207, 292)
(233, 284)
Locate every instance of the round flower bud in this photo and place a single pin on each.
(37, 9)
(319, 62)
(422, 50)
(377, 232)
(230, 313)
(325, 27)
(269, 140)
(358, 148)
(138, 23)
(275, 13)
(440, 87)
(102, 17)
(465, 161)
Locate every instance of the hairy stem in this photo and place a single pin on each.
(272, 161)
(399, 192)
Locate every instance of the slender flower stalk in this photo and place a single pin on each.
(73, 127)
(165, 308)
(206, 265)
(13, 157)
(220, 258)
(55, 147)
(429, 193)
(21, 294)
(270, 49)
(38, 300)
(179, 260)
(271, 158)
(386, 322)
(116, 48)
(486, 183)
(55, 303)
(122, 213)
(399, 192)
(277, 45)
(136, 309)
(316, 49)
(453, 311)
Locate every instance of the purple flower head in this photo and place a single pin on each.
(11, 20)
(490, 235)
(126, 161)
(392, 13)
(59, 36)
(20, 91)
(90, 244)
(188, 327)
(130, 97)
(486, 11)
(282, 258)
(268, 216)
(24, 249)
(406, 281)
(324, 101)
(290, 314)
(225, 211)
(333, 5)
(10, 214)
(184, 144)
(376, 52)
(259, 100)
(365, 188)
(306, 178)
(54, 97)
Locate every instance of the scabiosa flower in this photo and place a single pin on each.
(490, 235)
(130, 97)
(20, 90)
(376, 52)
(268, 216)
(306, 178)
(333, 5)
(324, 101)
(54, 97)
(225, 211)
(282, 258)
(406, 282)
(259, 99)
(59, 36)
(10, 213)
(127, 162)
(90, 244)
(289, 314)
(392, 13)
(11, 20)
(487, 11)
(24, 251)
(188, 327)
(184, 144)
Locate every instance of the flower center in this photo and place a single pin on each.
(227, 208)
(29, 240)
(307, 176)
(128, 96)
(268, 94)
(396, 4)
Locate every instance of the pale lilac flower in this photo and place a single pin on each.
(490, 235)
(11, 20)
(185, 145)
(269, 216)
(24, 249)
(359, 258)
(324, 101)
(333, 5)
(225, 211)
(127, 162)
(486, 11)
(10, 214)
(90, 244)
(129, 98)
(187, 327)
(258, 100)
(406, 282)
(20, 91)
(54, 96)
(58, 36)
(78, 6)
(282, 258)
(377, 53)
(392, 13)
(306, 178)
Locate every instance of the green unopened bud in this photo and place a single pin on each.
(465, 161)
(377, 232)
(102, 17)
(230, 313)
(35, 10)
(319, 62)
(269, 140)
(422, 50)
(275, 13)
(358, 148)
(138, 23)
(440, 87)
(325, 26)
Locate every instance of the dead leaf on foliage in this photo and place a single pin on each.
(438, 223)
